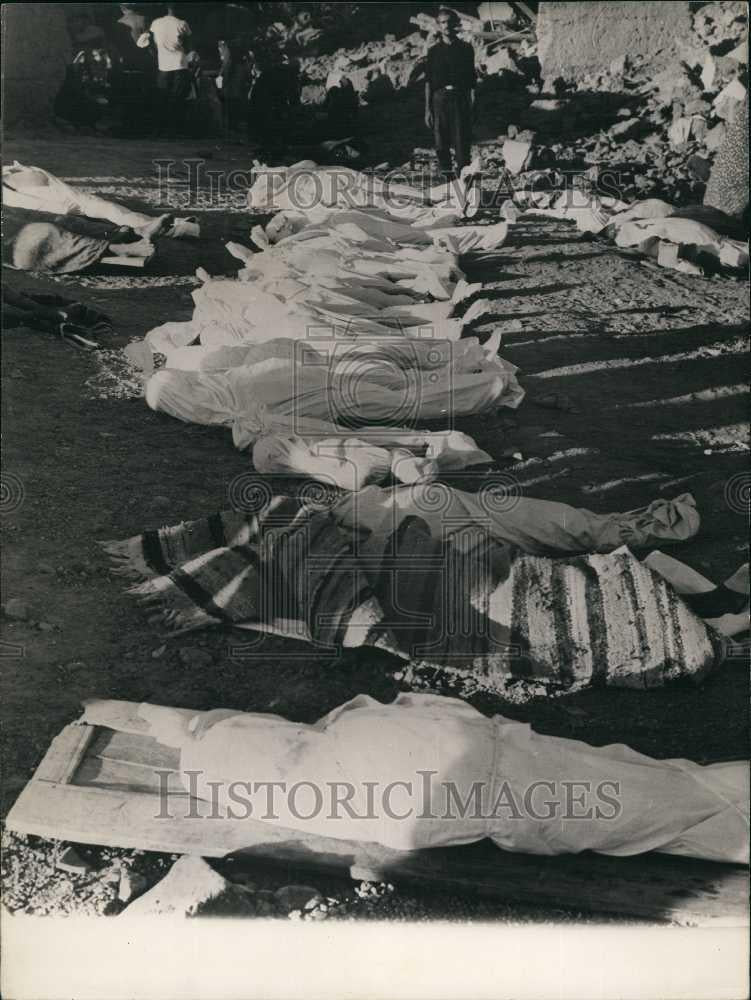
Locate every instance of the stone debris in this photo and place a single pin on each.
(190, 889)
(677, 80)
(516, 155)
(130, 885)
(297, 897)
(377, 69)
(71, 861)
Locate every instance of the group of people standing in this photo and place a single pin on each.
(152, 80)
(256, 89)
(154, 77)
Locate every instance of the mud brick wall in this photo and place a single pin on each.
(577, 39)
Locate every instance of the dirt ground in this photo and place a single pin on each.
(652, 362)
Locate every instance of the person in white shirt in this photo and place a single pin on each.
(171, 36)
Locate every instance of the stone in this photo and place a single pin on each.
(195, 658)
(709, 71)
(516, 155)
(297, 897)
(192, 888)
(495, 13)
(679, 131)
(622, 128)
(667, 254)
(45, 626)
(698, 128)
(46, 568)
(16, 609)
(734, 254)
(501, 61)
(729, 99)
(131, 885)
(715, 137)
(71, 861)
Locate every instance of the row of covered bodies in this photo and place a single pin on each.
(375, 277)
(349, 317)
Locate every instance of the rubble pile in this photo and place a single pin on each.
(636, 133)
(644, 132)
(502, 38)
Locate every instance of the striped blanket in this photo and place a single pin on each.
(467, 602)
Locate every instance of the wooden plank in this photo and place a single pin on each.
(133, 748)
(65, 754)
(650, 886)
(104, 772)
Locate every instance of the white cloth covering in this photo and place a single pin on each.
(305, 186)
(527, 792)
(687, 581)
(353, 463)
(311, 389)
(37, 190)
(333, 274)
(536, 527)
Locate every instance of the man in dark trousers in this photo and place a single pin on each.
(450, 93)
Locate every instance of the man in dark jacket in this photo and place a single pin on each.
(450, 93)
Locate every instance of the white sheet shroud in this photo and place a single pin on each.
(284, 387)
(621, 803)
(330, 278)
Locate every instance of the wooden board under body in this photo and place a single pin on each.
(98, 786)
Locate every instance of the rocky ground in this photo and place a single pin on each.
(636, 389)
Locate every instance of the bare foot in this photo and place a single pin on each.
(156, 228)
(142, 248)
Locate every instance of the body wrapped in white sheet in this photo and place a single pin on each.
(394, 765)
(307, 390)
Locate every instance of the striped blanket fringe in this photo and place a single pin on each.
(480, 607)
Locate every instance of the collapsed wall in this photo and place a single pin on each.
(36, 49)
(578, 39)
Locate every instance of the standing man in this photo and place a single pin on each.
(171, 35)
(450, 93)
